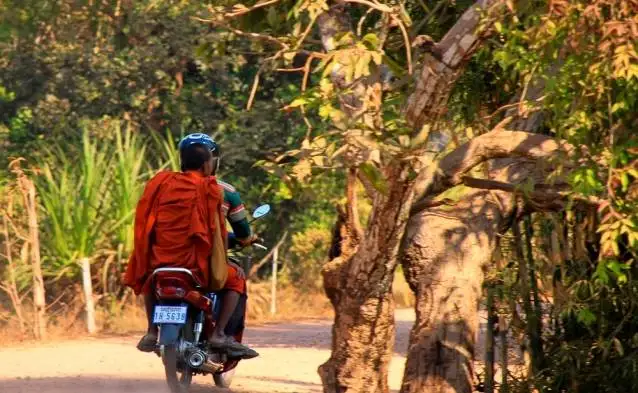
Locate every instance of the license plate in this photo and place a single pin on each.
(170, 314)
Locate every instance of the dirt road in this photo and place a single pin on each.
(290, 354)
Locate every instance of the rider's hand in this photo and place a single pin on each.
(240, 272)
(250, 240)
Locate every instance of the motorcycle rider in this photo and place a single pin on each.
(169, 197)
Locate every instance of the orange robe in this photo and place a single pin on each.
(174, 226)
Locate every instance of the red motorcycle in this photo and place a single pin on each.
(185, 315)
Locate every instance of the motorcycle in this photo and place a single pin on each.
(185, 315)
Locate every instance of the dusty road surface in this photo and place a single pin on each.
(290, 354)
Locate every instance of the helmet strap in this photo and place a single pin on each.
(216, 165)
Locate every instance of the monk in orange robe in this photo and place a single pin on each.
(174, 227)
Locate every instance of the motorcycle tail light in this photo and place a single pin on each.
(170, 292)
(198, 300)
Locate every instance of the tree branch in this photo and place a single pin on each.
(442, 67)
(241, 10)
(255, 268)
(498, 143)
(542, 193)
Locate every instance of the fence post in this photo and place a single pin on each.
(88, 295)
(273, 288)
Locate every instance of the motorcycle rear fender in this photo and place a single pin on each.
(169, 333)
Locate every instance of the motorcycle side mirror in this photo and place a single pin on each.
(261, 211)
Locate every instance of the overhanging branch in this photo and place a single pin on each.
(255, 268)
(444, 64)
(542, 197)
(498, 143)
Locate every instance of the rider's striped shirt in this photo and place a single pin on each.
(235, 211)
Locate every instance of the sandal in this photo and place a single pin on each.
(248, 353)
(147, 343)
(232, 346)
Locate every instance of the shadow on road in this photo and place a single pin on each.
(98, 385)
(122, 385)
(315, 335)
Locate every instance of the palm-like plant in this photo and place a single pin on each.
(130, 170)
(76, 196)
(77, 200)
(169, 156)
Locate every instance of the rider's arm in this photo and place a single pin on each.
(236, 214)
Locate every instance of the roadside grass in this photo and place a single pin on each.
(293, 304)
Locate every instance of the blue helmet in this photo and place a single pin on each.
(205, 140)
(201, 139)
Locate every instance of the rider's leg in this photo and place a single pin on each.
(234, 288)
(147, 343)
(149, 305)
(229, 303)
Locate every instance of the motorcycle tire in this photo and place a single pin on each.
(178, 375)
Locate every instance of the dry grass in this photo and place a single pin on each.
(10, 332)
(292, 304)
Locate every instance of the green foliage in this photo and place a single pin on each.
(76, 197)
(73, 75)
(306, 256)
(130, 172)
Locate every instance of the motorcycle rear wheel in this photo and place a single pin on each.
(178, 374)
(178, 380)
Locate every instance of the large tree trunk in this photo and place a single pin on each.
(358, 283)
(358, 279)
(443, 261)
(446, 249)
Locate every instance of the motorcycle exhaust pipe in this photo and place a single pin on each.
(198, 360)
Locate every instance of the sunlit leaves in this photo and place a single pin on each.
(586, 181)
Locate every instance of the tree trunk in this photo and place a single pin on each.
(28, 193)
(489, 341)
(11, 287)
(445, 250)
(503, 329)
(527, 278)
(358, 283)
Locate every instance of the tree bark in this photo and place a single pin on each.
(11, 287)
(446, 246)
(29, 196)
(498, 143)
(445, 251)
(358, 283)
(358, 279)
(444, 64)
